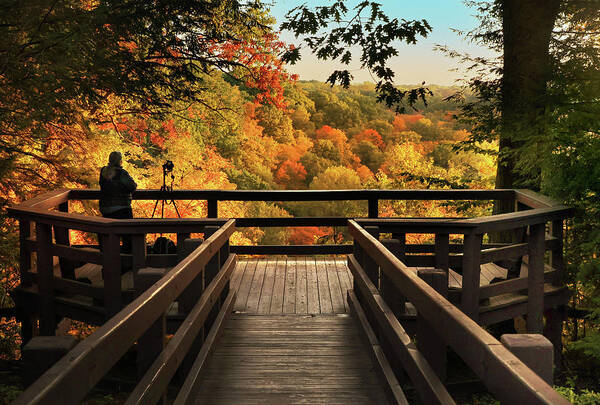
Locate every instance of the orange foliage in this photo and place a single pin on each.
(369, 135)
(403, 121)
(336, 136)
(291, 175)
(364, 173)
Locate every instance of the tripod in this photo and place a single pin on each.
(165, 191)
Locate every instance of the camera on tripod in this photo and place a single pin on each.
(168, 167)
(165, 190)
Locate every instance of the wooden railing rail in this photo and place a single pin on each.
(504, 375)
(68, 381)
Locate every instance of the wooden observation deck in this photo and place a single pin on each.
(370, 322)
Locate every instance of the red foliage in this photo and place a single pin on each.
(265, 72)
(308, 235)
(336, 136)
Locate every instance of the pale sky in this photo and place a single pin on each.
(415, 63)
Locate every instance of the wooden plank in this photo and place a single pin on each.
(278, 288)
(335, 288)
(256, 286)
(503, 253)
(238, 274)
(244, 289)
(312, 286)
(266, 295)
(289, 294)
(292, 250)
(301, 286)
(325, 302)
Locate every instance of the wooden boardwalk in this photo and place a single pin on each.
(270, 359)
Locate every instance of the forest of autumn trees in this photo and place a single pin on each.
(204, 84)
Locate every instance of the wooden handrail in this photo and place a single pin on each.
(309, 195)
(497, 367)
(75, 374)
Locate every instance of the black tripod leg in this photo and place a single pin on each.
(176, 210)
(154, 210)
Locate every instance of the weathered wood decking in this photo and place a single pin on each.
(308, 285)
(270, 359)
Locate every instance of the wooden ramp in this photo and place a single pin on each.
(290, 359)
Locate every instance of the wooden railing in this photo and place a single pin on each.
(201, 281)
(382, 282)
(372, 197)
(534, 231)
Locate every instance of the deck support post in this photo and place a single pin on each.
(67, 267)
(369, 265)
(111, 273)
(373, 208)
(471, 274)
(188, 298)
(442, 252)
(45, 270)
(138, 257)
(25, 231)
(535, 279)
(210, 271)
(152, 342)
(428, 341)
(392, 297)
(212, 208)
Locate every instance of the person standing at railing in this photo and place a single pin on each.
(116, 186)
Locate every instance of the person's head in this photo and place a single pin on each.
(115, 159)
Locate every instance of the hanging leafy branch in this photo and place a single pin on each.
(368, 28)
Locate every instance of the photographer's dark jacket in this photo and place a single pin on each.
(116, 185)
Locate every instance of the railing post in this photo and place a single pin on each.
(111, 273)
(535, 279)
(181, 251)
(212, 208)
(471, 274)
(152, 342)
(555, 316)
(223, 256)
(25, 230)
(556, 258)
(188, 298)
(428, 341)
(442, 252)
(45, 279)
(210, 271)
(373, 208)
(67, 268)
(392, 297)
(368, 264)
(138, 256)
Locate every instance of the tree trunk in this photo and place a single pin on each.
(527, 27)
